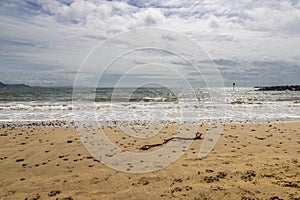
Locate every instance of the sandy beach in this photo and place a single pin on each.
(250, 161)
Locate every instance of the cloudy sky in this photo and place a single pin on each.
(44, 42)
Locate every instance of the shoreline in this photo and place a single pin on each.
(71, 124)
(250, 161)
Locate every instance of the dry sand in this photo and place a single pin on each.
(250, 161)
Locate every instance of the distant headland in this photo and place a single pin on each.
(3, 85)
(279, 88)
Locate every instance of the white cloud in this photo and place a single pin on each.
(149, 17)
(61, 33)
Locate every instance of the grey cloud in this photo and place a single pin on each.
(259, 72)
(21, 42)
(167, 37)
(51, 35)
(180, 63)
(10, 64)
(95, 37)
(226, 62)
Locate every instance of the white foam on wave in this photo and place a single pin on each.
(146, 111)
(241, 105)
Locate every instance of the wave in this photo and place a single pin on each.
(24, 107)
(289, 99)
(136, 99)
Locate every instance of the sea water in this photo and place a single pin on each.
(147, 105)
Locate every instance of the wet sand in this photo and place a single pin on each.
(250, 161)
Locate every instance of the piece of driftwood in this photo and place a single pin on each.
(149, 146)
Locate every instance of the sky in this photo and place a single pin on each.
(59, 42)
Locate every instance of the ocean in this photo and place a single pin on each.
(147, 105)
